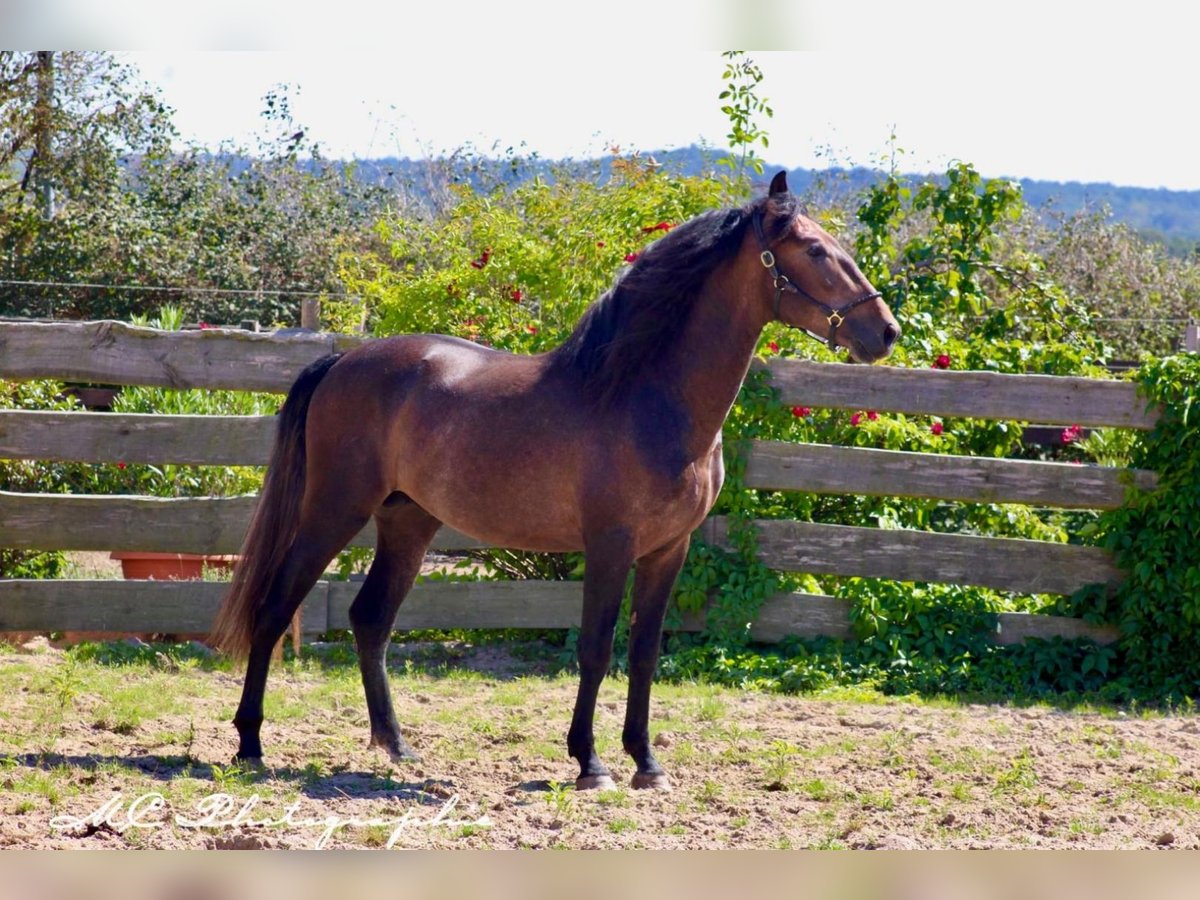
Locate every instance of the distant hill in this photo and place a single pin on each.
(1170, 217)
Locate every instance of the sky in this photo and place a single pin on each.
(1059, 91)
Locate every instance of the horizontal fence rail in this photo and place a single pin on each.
(216, 526)
(208, 525)
(824, 469)
(1007, 564)
(116, 353)
(774, 465)
(1043, 399)
(188, 607)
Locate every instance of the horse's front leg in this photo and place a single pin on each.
(609, 558)
(656, 574)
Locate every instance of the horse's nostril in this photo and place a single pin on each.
(890, 333)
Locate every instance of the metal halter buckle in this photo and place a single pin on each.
(768, 259)
(838, 316)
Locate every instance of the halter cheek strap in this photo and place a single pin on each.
(835, 317)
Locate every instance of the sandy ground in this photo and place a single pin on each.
(749, 770)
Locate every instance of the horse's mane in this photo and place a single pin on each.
(623, 333)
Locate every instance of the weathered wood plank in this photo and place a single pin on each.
(1015, 628)
(1034, 567)
(475, 604)
(117, 437)
(817, 615)
(129, 606)
(1048, 399)
(116, 353)
(189, 607)
(802, 615)
(168, 525)
(246, 440)
(824, 469)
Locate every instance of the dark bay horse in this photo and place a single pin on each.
(609, 444)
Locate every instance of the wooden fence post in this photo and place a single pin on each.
(1191, 337)
(310, 314)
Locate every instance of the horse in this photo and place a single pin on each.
(609, 444)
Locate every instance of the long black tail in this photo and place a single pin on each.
(273, 525)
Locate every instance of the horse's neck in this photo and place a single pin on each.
(712, 358)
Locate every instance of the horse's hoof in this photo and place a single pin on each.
(404, 755)
(651, 781)
(397, 751)
(595, 783)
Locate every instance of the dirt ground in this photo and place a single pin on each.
(88, 749)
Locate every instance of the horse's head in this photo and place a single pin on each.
(815, 285)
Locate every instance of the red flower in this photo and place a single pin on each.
(204, 326)
(942, 362)
(517, 296)
(1072, 434)
(773, 347)
(872, 415)
(532, 329)
(801, 412)
(661, 226)
(483, 259)
(599, 243)
(936, 427)
(120, 465)
(856, 418)
(631, 257)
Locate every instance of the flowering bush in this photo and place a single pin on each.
(516, 267)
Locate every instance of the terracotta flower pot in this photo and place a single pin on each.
(168, 566)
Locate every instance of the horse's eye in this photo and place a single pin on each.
(816, 251)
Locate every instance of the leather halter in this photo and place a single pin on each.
(835, 317)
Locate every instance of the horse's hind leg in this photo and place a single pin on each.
(322, 533)
(405, 531)
(656, 574)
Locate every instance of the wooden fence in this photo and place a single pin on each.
(114, 353)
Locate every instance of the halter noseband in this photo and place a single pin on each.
(835, 317)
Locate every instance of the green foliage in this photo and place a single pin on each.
(1155, 537)
(27, 476)
(515, 268)
(741, 105)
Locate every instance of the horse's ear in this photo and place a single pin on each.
(779, 183)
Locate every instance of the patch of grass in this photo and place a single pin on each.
(708, 792)
(894, 745)
(50, 784)
(561, 799)
(1020, 775)
(710, 708)
(620, 826)
(816, 789)
(881, 800)
(961, 791)
(683, 753)
(779, 763)
(376, 835)
(618, 798)
(234, 778)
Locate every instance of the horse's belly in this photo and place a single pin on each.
(513, 509)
